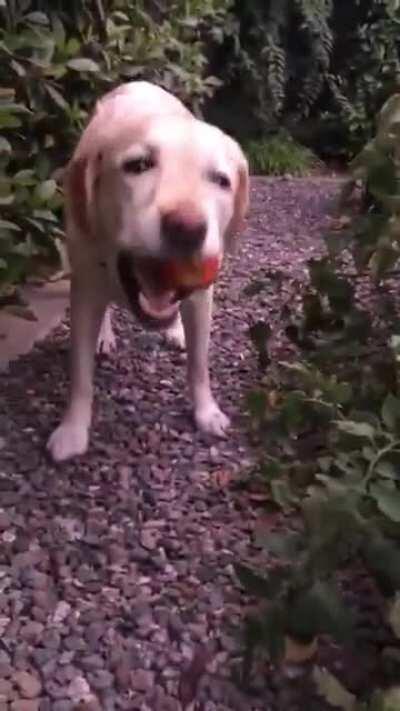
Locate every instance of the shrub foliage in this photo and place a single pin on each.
(56, 58)
(328, 425)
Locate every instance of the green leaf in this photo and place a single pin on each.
(25, 178)
(83, 64)
(356, 429)
(319, 610)
(283, 546)
(283, 495)
(383, 260)
(382, 558)
(57, 97)
(391, 412)
(273, 626)
(37, 18)
(9, 121)
(257, 403)
(45, 215)
(7, 225)
(386, 470)
(5, 146)
(257, 585)
(271, 469)
(332, 690)
(387, 501)
(253, 583)
(394, 616)
(391, 699)
(260, 333)
(254, 288)
(46, 190)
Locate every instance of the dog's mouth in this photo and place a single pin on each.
(155, 305)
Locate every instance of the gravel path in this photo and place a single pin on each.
(116, 570)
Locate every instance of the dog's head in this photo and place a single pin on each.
(166, 187)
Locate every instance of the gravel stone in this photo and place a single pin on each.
(27, 684)
(25, 705)
(116, 567)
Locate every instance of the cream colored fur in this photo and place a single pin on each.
(108, 210)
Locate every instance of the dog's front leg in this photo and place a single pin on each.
(88, 304)
(196, 316)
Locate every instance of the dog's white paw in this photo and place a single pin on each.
(211, 420)
(67, 441)
(106, 343)
(175, 335)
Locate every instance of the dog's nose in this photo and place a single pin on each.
(183, 228)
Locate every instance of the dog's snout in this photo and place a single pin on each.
(183, 228)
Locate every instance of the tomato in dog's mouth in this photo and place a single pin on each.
(154, 305)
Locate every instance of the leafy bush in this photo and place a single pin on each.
(55, 62)
(284, 55)
(280, 155)
(320, 68)
(332, 424)
(366, 64)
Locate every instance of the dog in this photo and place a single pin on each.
(147, 179)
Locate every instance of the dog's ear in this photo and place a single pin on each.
(80, 183)
(241, 200)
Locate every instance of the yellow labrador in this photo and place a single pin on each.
(147, 179)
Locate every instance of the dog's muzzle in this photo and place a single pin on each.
(153, 304)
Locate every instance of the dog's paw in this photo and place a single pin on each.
(211, 420)
(67, 441)
(106, 342)
(175, 335)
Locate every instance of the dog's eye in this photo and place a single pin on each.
(136, 166)
(220, 179)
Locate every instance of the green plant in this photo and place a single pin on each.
(279, 155)
(299, 598)
(327, 427)
(366, 66)
(319, 68)
(55, 62)
(282, 74)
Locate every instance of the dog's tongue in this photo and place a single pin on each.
(158, 304)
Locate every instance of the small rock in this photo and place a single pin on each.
(61, 612)
(92, 662)
(5, 689)
(63, 705)
(79, 689)
(43, 599)
(74, 643)
(94, 633)
(39, 581)
(25, 705)
(32, 631)
(42, 656)
(49, 668)
(142, 680)
(5, 521)
(101, 680)
(93, 704)
(28, 685)
(149, 539)
(51, 639)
